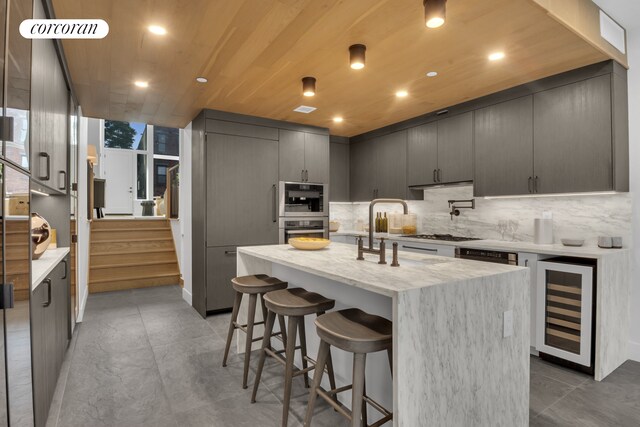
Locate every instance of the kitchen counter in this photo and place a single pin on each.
(502, 245)
(41, 267)
(448, 329)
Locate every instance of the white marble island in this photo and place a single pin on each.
(452, 364)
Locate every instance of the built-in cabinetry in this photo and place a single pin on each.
(562, 134)
(377, 167)
(303, 156)
(441, 152)
(50, 336)
(339, 169)
(237, 163)
(403, 245)
(49, 115)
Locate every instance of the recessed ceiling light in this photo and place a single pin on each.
(432, 73)
(304, 109)
(201, 79)
(402, 94)
(496, 56)
(338, 119)
(157, 30)
(141, 83)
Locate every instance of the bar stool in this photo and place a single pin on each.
(253, 285)
(294, 303)
(359, 333)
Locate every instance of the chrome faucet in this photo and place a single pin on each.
(370, 249)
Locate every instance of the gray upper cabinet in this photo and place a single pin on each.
(422, 154)
(503, 154)
(303, 156)
(339, 172)
(455, 148)
(361, 160)
(390, 177)
(573, 137)
(241, 180)
(441, 152)
(291, 155)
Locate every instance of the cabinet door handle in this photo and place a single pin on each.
(275, 202)
(230, 252)
(439, 175)
(420, 249)
(530, 185)
(535, 184)
(48, 303)
(62, 185)
(435, 175)
(526, 263)
(64, 261)
(306, 175)
(48, 175)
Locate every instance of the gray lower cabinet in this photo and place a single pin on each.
(339, 172)
(362, 170)
(455, 148)
(503, 154)
(241, 190)
(50, 336)
(572, 137)
(422, 155)
(221, 268)
(303, 156)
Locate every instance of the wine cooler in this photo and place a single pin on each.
(565, 305)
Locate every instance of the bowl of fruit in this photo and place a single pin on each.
(309, 243)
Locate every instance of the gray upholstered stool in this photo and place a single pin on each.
(294, 303)
(253, 286)
(360, 333)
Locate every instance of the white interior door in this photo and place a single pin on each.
(119, 173)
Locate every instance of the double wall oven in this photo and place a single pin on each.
(304, 210)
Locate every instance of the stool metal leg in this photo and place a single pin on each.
(247, 348)
(303, 349)
(266, 342)
(323, 355)
(288, 374)
(359, 360)
(234, 318)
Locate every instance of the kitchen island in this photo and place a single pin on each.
(458, 360)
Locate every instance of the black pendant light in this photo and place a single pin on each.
(308, 86)
(434, 12)
(356, 56)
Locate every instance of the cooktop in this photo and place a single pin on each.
(446, 237)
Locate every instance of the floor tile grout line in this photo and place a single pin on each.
(557, 401)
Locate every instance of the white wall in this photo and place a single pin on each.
(185, 212)
(84, 231)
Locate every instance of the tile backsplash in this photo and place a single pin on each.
(586, 217)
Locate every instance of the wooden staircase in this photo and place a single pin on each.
(132, 253)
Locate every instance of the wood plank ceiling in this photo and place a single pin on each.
(254, 53)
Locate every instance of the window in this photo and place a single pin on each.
(166, 141)
(141, 177)
(160, 167)
(125, 135)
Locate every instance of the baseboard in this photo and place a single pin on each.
(83, 305)
(186, 295)
(634, 351)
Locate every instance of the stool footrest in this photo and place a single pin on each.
(335, 405)
(329, 397)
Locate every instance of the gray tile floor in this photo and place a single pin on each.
(146, 358)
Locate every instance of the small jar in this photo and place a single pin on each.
(395, 223)
(409, 223)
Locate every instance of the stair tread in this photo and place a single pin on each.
(146, 276)
(135, 251)
(111, 230)
(151, 239)
(133, 264)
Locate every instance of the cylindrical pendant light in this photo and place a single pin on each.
(356, 56)
(308, 86)
(434, 12)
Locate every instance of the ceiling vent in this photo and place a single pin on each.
(305, 109)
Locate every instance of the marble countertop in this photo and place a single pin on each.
(338, 262)
(41, 267)
(500, 245)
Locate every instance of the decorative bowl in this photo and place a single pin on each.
(309, 243)
(40, 235)
(572, 242)
(334, 226)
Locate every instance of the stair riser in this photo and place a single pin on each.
(123, 273)
(165, 257)
(127, 284)
(130, 235)
(117, 247)
(129, 224)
